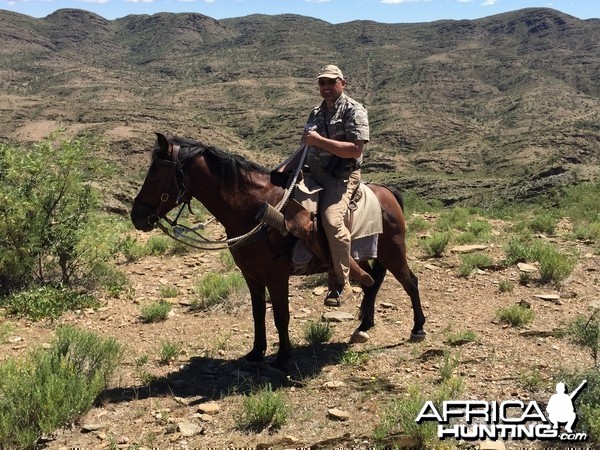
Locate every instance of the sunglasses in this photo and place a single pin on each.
(327, 81)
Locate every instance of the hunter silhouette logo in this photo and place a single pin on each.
(510, 419)
(560, 407)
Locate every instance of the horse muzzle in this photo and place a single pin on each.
(143, 218)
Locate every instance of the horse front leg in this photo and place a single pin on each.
(279, 293)
(259, 310)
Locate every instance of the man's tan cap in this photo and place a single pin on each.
(330, 71)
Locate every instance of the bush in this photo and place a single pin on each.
(263, 409)
(474, 261)
(543, 223)
(214, 289)
(555, 266)
(52, 388)
(47, 209)
(518, 251)
(46, 302)
(399, 415)
(156, 312)
(516, 315)
(585, 332)
(317, 332)
(436, 244)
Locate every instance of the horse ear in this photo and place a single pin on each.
(163, 143)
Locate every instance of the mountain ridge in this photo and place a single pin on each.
(460, 110)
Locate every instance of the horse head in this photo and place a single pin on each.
(163, 188)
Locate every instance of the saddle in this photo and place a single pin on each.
(300, 218)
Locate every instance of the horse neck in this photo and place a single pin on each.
(234, 208)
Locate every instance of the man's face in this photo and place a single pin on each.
(331, 88)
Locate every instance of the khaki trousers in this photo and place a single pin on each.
(335, 198)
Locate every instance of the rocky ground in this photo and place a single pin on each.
(193, 401)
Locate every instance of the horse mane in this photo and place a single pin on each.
(234, 170)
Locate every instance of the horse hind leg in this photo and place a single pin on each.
(410, 283)
(367, 306)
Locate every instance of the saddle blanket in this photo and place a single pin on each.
(366, 221)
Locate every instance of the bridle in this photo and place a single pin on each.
(175, 176)
(190, 236)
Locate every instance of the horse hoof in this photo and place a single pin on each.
(359, 337)
(418, 336)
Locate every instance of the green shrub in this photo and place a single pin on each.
(47, 217)
(506, 286)
(543, 223)
(168, 291)
(169, 351)
(555, 266)
(461, 338)
(448, 365)
(436, 244)
(518, 251)
(46, 302)
(585, 332)
(263, 409)
(580, 202)
(317, 332)
(52, 388)
(399, 418)
(417, 224)
(156, 312)
(353, 358)
(226, 260)
(158, 244)
(453, 219)
(516, 315)
(474, 261)
(531, 380)
(588, 231)
(214, 289)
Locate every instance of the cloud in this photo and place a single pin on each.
(139, 1)
(99, 2)
(397, 2)
(317, 1)
(489, 3)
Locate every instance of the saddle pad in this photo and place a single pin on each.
(367, 219)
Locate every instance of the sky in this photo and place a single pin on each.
(332, 11)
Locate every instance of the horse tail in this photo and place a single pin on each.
(397, 195)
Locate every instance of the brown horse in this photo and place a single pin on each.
(233, 190)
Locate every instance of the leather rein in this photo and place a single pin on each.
(182, 233)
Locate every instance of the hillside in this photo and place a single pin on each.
(504, 107)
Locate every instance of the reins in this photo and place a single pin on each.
(189, 235)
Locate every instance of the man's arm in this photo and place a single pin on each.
(343, 149)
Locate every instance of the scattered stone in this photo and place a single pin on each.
(15, 339)
(181, 400)
(89, 427)
(337, 316)
(289, 439)
(334, 384)
(338, 414)
(527, 268)
(492, 445)
(387, 305)
(320, 290)
(188, 429)
(210, 408)
(549, 297)
(468, 248)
